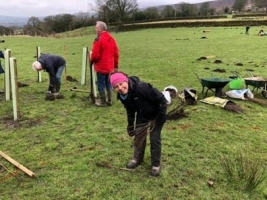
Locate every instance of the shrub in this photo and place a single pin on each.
(243, 173)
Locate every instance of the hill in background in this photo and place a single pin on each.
(13, 21)
(9, 21)
(221, 4)
(217, 4)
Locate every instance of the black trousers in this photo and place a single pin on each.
(154, 131)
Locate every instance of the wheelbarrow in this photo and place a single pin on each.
(256, 82)
(213, 84)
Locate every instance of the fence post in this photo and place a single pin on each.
(39, 73)
(84, 65)
(14, 86)
(93, 76)
(7, 75)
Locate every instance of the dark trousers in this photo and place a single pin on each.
(155, 143)
(103, 82)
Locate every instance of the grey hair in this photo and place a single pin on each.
(102, 25)
(36, 65)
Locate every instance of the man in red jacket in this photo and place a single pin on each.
(105, 57)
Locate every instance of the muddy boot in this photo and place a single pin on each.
(50, 89)
(102, 102)
(139, 152)
(57, 94)
(58, 87)
(155, 171)
(109, 102)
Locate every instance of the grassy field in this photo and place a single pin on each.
(211, 154)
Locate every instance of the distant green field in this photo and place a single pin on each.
(64, 141)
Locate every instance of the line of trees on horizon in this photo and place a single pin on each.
(118, 12)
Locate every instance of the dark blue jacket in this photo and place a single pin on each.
(2, 54)
(51, 63)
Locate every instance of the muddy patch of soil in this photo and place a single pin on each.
(10, 123)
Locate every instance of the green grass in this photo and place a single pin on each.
(63, 141)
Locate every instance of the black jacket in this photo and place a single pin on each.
(51, 63)
(144, 102)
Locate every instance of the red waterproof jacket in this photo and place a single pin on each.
(105, 53)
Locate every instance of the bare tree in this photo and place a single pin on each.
(204, 9)
(226, 9)
(239, 5)
(115, 10)
(123, 8)
(152, 13)
(168, 11)
(83, 18)
(187, 9)
(33, 26)
(260, 3)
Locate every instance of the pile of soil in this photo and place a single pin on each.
(70, 79)
(219, 70)
(53, 97)
(50, 97)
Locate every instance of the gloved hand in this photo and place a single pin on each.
(130, 130)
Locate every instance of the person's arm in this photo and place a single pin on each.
(130, 120)
(95, 56)
(48, 67)
(157, 99)
(153, 95)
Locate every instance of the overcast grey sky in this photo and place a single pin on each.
(40, 8)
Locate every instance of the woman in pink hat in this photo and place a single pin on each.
(145, 105)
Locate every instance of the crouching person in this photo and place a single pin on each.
(54, 66)
(146, 113)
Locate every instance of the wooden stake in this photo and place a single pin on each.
(14, 87)
(65, 57)
(21, 167)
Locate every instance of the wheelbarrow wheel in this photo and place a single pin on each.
(264, 93)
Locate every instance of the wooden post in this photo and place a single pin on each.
(65, 57)
(7, 75)
(21, 167)
(93, 76)
(14, 86)
(39, 73)
(84, 64)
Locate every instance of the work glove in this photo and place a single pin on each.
(130, 130)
